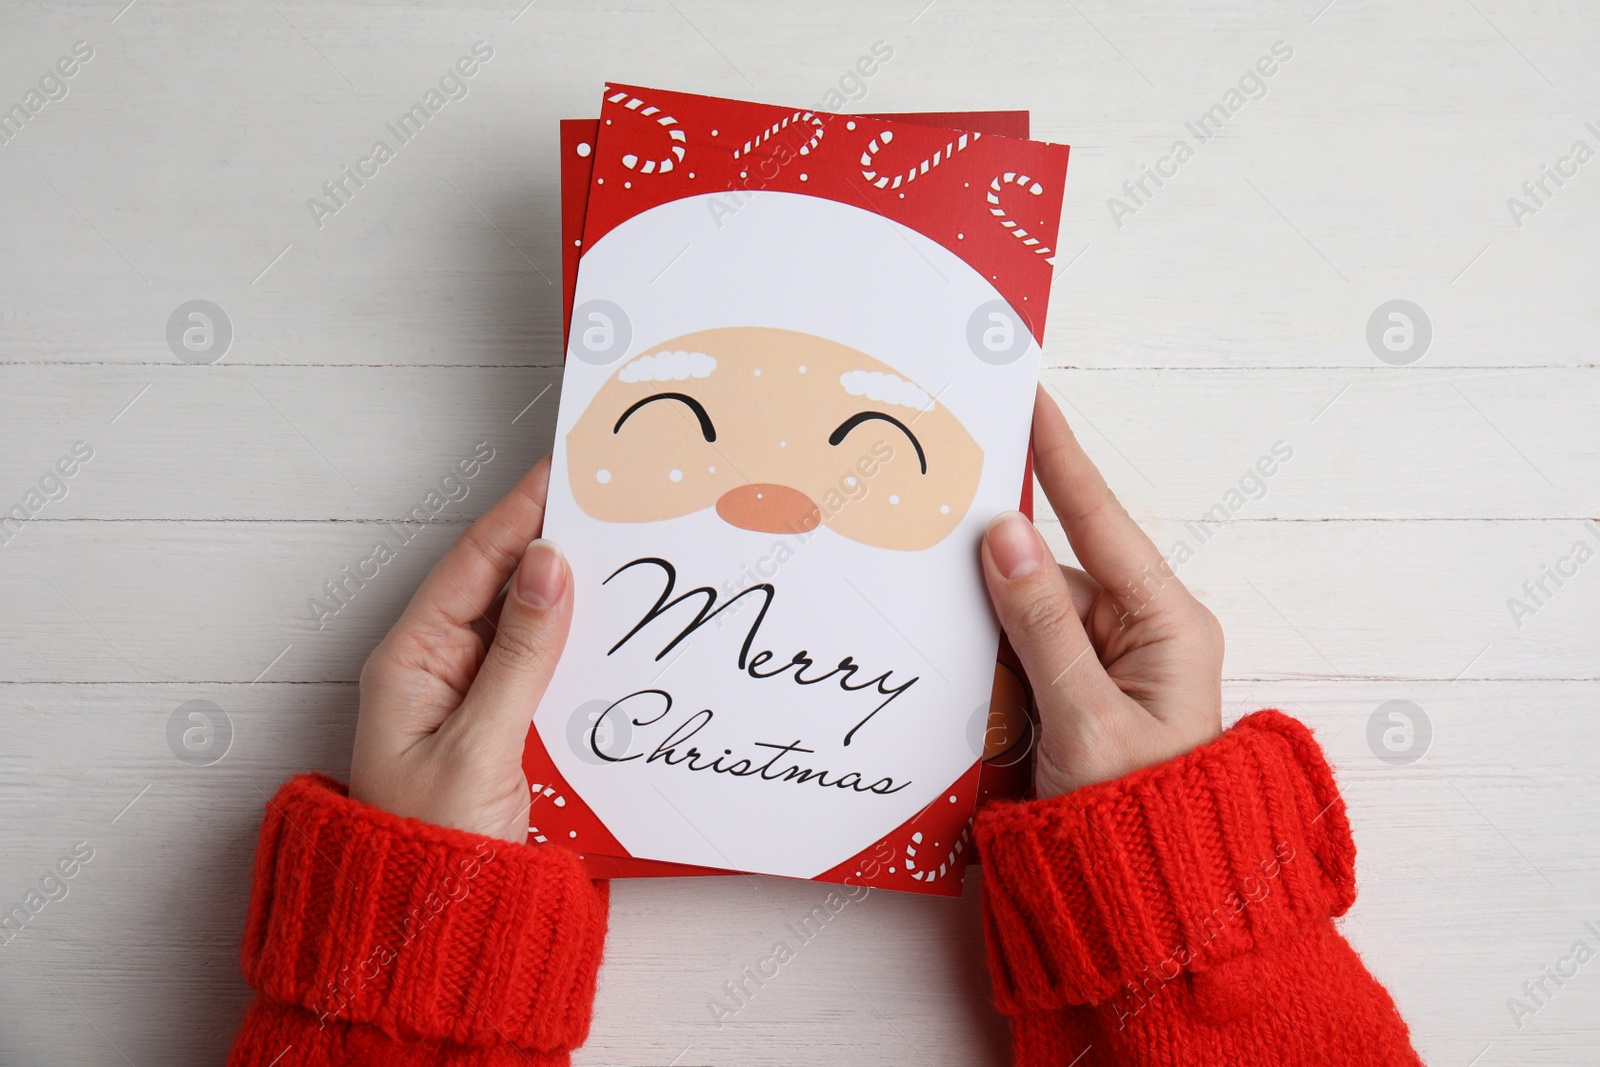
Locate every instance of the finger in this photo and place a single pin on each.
(1033, 599)
(1084, 589)
(486, 624)
(463, 586)
(527, 643)
(1110, 545)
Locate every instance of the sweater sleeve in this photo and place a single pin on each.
(1183, 915)
(377, 940)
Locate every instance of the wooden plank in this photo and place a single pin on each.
(210, 601)
(346, 443)
(272, 443)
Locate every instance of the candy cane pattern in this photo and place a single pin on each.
(1011, 177)
(540, 792)
(652, 166)
(797, 117)
(950, 860)
(879, 142)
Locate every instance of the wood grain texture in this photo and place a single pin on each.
(209, 601)
(1223, 315)
(314, 443)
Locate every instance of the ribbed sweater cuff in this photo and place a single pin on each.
(363, 918)
(1179, 867)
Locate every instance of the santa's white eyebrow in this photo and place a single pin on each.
(886, 389)
(668, 366)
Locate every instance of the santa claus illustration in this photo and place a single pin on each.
(779, 431)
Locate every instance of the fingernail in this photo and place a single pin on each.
(542, 574)
(1016, 546)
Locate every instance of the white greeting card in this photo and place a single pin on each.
(786, 420)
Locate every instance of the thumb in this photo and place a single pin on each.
(1033, 600)
(529, 637)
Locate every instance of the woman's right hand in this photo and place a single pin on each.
(1125, 664)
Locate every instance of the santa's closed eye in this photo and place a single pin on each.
(708, 431)
(838, 435)
(773, 432)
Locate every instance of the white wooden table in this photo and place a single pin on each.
(1194, 327)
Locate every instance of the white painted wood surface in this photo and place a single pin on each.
(1224, 315)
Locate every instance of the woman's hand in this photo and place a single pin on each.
(446, 698)
(1126, 665)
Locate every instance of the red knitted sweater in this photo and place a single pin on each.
(1180, 915)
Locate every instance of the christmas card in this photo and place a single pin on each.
(800, 369)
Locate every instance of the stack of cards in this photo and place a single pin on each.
(801, 358)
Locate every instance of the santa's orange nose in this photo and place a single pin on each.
(769, 508)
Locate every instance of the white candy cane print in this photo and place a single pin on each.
(540, 792)
(878, 143)
(665, 163)
(797, 118)
(1011, 177)
(930, 875)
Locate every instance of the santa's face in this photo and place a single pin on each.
(780, 432)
